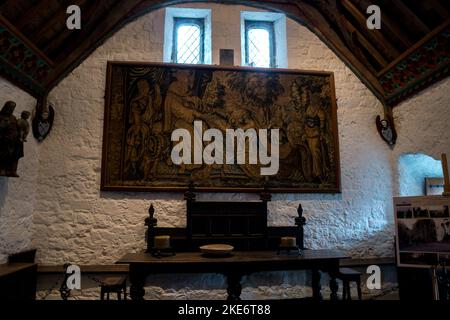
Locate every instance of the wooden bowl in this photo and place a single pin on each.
(216, 249)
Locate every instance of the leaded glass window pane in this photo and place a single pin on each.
(188, 41)
(260, 42)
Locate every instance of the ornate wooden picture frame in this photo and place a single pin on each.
(146, 102)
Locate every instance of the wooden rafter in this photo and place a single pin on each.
(35, 10)
(411, 17)
(115, 16)
(23, 38)
(397, 31)
(60, 15)
(439, 9)
(91, 15)
(375, 35)
(11, 11)
(351, 37)
(415, 47)
(400, 35)
(369, 47)
(322, 28)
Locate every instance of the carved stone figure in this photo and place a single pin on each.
(386, 130)
(12, 136)
(24, 126)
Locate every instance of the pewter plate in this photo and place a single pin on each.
(217, 249)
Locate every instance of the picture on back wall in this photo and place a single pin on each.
(422, 230)
(286, 120)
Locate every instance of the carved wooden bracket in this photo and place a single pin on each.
(43, 119)
(386, 127)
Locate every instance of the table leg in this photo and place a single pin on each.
(334, 287)
(137, 280)
(234, 288)
(316, 286)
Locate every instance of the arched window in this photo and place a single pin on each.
(413, 170)
(259, 44)
(188, 41)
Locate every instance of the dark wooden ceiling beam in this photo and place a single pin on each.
(115, 17)
(399, 35)
(90, 17)
(411, 18)
(3, 6)
(25, 40)
(287, 6)
(34, 11)
(321, 27)
(414, 47)
(61, 15)
(352, 38)
(438, 9)
(13, 11)
(389, 49)
(403, 37)
(366, 44)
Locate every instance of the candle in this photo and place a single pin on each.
(288, 242)
(162, 242)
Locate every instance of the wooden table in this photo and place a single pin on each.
(234, 267)
(18, 281)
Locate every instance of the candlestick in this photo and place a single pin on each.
(446, 176)
(288, 242)
(162, 242)
(151, 224)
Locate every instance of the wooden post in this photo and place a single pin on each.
(446, 177)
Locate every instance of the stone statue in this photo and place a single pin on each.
(24, 126)
(386, 129)
(12, 136)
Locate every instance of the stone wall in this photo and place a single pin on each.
(423, 125)
(413, 168)
(18, 195)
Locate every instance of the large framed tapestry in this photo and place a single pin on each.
(288, 114)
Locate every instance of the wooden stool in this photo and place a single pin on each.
(114, 284)
(348, 275)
